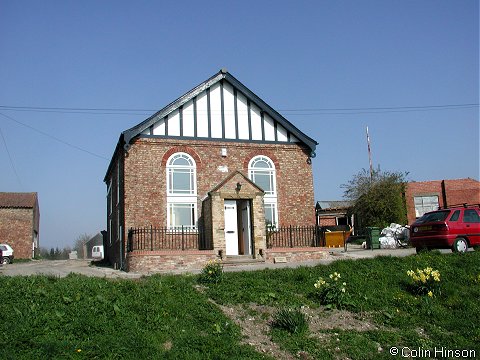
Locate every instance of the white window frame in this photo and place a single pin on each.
(187, 198)
(422, 208)
(270, 198)
(252, 170)
(170, 221)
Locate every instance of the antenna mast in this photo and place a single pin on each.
(370, 156)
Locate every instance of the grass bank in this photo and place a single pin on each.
(172, 317)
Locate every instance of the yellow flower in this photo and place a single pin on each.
(79, 350)
(423, 278)
(430, 294)
(436, 275)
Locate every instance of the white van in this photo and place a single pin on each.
(7, 253)
(97, 252)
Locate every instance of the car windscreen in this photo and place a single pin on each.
(3, 248)
(433, 216)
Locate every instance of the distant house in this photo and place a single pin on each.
(19, 223)
(425, 196)
(204, 177)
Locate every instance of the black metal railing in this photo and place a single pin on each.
(295, 236)
(163, 238)
(185, 238)
(301, 236)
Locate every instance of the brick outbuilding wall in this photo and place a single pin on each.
(449, 192)
(20, 223)
(16, 230)
(327, 221)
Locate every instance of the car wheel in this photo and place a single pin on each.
(460, 245)
(6, 260)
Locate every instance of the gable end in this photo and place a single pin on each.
(221, 108)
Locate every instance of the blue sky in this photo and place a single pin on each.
(391, 65)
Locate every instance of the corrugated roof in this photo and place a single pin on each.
(334, 205)
(17, 200)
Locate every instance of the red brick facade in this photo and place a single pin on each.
(222, 126)
(19, 223)
(143, 181)
(145, 177)
(449, 192)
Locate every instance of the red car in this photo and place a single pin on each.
(457, 228)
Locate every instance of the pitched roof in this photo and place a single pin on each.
(230, 177)
(131, 133)
(17, 200)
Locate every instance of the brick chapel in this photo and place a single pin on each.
(218, 163)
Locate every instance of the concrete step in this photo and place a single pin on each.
(241, 260)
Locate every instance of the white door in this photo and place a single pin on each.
(231, 234)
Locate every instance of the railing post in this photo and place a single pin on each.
(290, 236)
(151, 237)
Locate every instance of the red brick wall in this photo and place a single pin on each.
(145, 176)
(16, 230)
(142, 181)
(146, 262)
(327, 221)
(296, 254)
(457, 191)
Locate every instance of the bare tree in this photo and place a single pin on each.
(80, 245)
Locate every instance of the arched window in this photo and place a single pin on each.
(181, 191)
(261, 170)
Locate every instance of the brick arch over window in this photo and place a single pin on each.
(184, 149)
(266, 153)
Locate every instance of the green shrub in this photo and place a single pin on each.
(212, 273)
(291, 320)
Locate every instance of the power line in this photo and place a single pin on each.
(389, 108)
(310, 111)
(10, 158)
(54, 137)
